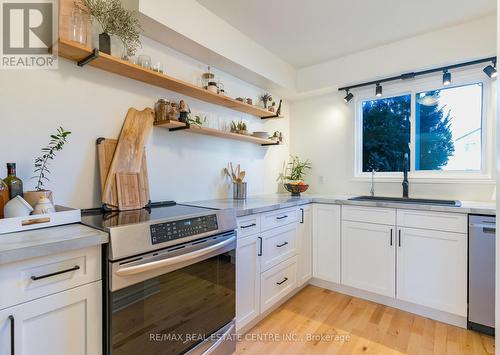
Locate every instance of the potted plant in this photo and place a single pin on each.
(239, 127)
(42, 171)
(266, 98)
(293, 175)
(114, 19)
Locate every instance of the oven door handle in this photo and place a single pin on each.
(148, 266)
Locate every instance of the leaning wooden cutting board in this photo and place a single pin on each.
(127, 158)
(105, 151)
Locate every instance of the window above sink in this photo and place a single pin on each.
(446, 130)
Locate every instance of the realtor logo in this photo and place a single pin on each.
(29, 29)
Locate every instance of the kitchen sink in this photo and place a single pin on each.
(419, 201)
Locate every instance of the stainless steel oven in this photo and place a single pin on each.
(170, 274)
(173, 301)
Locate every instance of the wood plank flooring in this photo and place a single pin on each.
(319, 321)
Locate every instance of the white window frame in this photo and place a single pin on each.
(412, 87)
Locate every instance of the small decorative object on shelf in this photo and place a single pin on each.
(220, 85)
(293, 175)
(78, 26)
(207, 77)
(43, 206)
(144, 61)
(197, 121)
(266, 98)
(240, 99)
(237, 176)
(240, 127)
(4, 196)
(249, 101)
(277, 136)
(14, 184)
(56, 144)
(159, 68)
(162, 108)
(212, 87)
(272, 108)
(174, 111)
(184, 111)
(114, 20)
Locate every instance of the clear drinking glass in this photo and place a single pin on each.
(78, 26)
(144, 61)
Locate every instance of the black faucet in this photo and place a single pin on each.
(405, 183)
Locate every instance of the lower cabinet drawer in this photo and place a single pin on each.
(278, 245)
(248, 225)
(278, 218)
(440, 221)
(277, 282)
(38, 277)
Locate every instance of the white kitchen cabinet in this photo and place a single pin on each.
(278, 282)
(368, 257)
(247, 280)
(432, 269)
(304, 271)
(326, 242)
(67, 322)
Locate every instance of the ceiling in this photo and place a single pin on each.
(304, 33)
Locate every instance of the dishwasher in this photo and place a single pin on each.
(481, 313)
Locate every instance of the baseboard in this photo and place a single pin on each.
(261, 316)
(423, 311)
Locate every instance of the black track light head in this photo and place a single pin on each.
(348, 97)
(446, 77)
(378, 90)
(491, 70)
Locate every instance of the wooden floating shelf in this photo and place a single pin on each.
(180, 126)
(77, 52)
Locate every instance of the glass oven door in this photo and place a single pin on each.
(184, 303)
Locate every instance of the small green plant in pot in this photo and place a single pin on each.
(41, 172)
(293, 175)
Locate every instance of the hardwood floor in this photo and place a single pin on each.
(319, 321)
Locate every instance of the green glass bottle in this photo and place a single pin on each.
(13, 182)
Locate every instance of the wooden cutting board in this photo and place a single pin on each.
(105, 150)
(127, 157)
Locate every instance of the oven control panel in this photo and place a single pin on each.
(166, 232)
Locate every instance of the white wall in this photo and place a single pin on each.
(322, 126)
(93, 103)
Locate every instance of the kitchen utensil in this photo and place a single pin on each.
(129, 151)
(240, 191)
(17, 207)
(261, 134)
(106, 148)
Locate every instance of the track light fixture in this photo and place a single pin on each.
(348, 97)
(446, 77)
(378, 90)
(491, 70)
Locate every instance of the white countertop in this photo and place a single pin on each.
(264, 203)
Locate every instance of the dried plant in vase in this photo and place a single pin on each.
(114, 19)
(266, 98)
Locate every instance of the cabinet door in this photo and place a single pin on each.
(326, 242)
(304, 272)
(368, 257)
(432, 269)
(65, 323)
(247, 280)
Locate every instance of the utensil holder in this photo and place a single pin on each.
(240, 191)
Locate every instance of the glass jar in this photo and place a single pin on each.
(162, 108)
(144, 61)
(79, 26)
(206, 78)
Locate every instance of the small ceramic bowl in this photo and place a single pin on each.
(261, 134)
(43, 206)
(17, 207)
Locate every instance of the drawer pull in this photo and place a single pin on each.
(390, 242)
(399, 238)
(250, 225)
(281, 245)
(302, 216)
(74, 268)
(282, 282)
(282, 217)
(12, 335)
(260, 247)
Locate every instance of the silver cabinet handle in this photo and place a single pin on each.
(137, 269)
